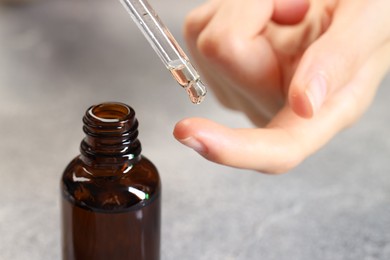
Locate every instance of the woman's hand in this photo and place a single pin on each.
(301, 70)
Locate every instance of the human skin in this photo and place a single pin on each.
(301, 71)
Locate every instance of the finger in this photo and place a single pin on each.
(356, 32)
(289, 12)
(275, 149)
(269, 150)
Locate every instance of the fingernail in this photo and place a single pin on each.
(316, 92)
(194, 144)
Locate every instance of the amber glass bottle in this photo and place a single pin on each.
(111, 194)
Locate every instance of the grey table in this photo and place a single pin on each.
(59, 57)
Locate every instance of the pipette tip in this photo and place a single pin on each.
(196, 91)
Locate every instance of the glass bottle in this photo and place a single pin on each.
(111, 194)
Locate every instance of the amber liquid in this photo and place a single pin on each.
(132, 234)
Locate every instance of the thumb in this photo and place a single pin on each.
(357, 30)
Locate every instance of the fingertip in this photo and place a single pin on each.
(194, 133)
(289, 12)
(300, 104)
(190, 127)
(181, 128)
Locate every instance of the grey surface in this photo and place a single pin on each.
(59, 57)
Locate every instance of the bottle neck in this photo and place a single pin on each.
(111, 137)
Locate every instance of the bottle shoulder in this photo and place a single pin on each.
(124, 187)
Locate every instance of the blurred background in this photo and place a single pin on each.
(59, 57)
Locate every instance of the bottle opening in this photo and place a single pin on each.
(110, 112)
(111, 134)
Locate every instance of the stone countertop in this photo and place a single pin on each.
(59, 57)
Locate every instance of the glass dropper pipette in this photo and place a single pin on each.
(167, 48)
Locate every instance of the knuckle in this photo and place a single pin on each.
(218, 45)
(193, 25)
(209, 44)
